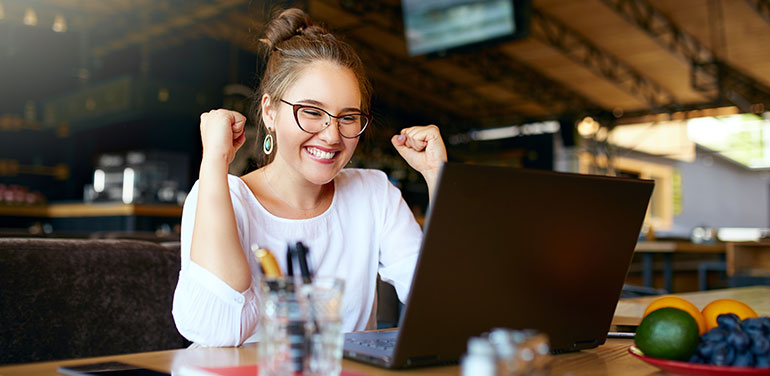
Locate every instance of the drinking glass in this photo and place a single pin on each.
(301, 327)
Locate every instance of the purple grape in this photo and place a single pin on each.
(723, 355)
(752, 325)
(705, 349)
(739, 340)
(730, 355)
(760, 344)
(744, 359)
(728, 321)
(715, 335)
(696, 359)
(763, 361)
(765, 320)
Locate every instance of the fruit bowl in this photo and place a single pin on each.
(687, 368)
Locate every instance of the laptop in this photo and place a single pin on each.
(518, 249)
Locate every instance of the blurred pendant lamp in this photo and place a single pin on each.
(59, 24)
(2, 12)
(30, 17)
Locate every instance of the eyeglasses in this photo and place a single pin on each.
(312, 119)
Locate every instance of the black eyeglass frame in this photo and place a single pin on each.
(296, 107)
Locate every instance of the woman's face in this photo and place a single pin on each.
(315, 157)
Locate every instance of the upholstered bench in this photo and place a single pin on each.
(72, 298)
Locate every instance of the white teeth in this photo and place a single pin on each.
(321, 154)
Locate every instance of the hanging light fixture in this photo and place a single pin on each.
(588, 127)
(30, 17)
(2, 11)
(59, 24)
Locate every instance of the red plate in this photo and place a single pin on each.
(695, 369)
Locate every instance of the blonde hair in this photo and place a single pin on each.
(293, 42)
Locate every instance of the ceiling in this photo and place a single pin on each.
(616, 60)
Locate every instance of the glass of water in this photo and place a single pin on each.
(324, 329)
(281, 314)
(301, 327)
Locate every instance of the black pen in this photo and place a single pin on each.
(289, 261)
(302, 254)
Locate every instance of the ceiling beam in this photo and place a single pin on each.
(661, 29)
(719, 79)
(190, 18)
(762, 7)
(501, 68)
(399, 97)
(175, 39)
(740, 89)
(579, 49)
(223, 30)
(380, 13)
(417, 83)
(687, 111)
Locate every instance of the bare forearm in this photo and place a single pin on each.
(431, 179)
(215, 241)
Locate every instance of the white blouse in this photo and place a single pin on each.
(367, 229)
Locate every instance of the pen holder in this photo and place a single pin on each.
(301, 327)
(279, 305)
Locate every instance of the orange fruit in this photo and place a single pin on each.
(683, 304)
(712, 310)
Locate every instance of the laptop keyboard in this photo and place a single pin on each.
(375, 343)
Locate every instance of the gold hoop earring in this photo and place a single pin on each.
(267, 145)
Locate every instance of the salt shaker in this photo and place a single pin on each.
(480, 359)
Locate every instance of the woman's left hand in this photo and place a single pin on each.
(424, 150)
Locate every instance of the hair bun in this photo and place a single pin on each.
(289, 23)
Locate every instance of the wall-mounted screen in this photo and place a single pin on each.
(437, 26)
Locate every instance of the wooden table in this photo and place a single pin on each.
(612, 358)
(747, 259)
(758, 297)
(649, 249)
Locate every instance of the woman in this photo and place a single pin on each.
(313, 107)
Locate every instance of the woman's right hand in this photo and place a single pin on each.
(222, 133)
(215, 242)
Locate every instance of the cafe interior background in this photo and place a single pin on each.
(100, 103)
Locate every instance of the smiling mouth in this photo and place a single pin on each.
(320, 154)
